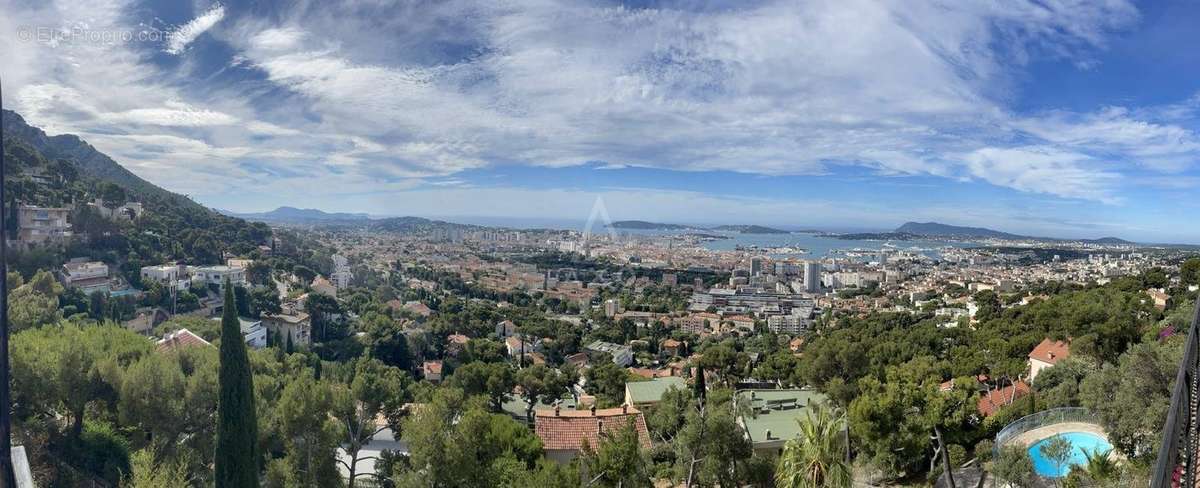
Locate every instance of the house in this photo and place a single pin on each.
(993, 400)
(253, 332)
(621, 355)
(323, 286)
(179, 339)
(456, 344)
(432, 371)
(384, 439)
(564, 432)
(88, 276)
(216, 275)
(418, 308)
(1046, 354)
(771, 416)
(505, 329)
(644, 394)
(126, 211)
(578, 360)
(796, 344)
(670, 347)
(515, 346)
(297, 325)
(39, 225)
(1161, 299)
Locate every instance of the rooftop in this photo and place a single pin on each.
(1051, 351)
(567, 429)
(775, 411)
(651, 391)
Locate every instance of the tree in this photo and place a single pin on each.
(304, 273)
(539, 383)
(376, 390)
(236, 459)
(113, 195)
(321, 308)
(1131, 399)
(265, 301)
(147, 472)
(1100, 469)
(1014, 467)
(493, 380)
(310, 436)
(1057, 450)
(607, 382)
(816, 458)
(385, 340)
(617, 462)
(456, 442)
(711, 444)
(259, 273)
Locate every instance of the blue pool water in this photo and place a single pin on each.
(1080, 442)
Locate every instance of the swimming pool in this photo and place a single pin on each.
(1080, 442)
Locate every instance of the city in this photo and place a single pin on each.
(594, 243)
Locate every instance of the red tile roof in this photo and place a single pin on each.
(1051, 352)
(434, 367)
(990, 402)
(567, 429)
(178, 339)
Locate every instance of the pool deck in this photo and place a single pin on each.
(1028, 438)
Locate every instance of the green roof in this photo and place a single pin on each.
(775, 410)
(651, 391)
(515, 405)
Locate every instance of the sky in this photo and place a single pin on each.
(1064, 118)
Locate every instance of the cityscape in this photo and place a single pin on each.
(405, 244)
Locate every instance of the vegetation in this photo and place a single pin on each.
(237, 460)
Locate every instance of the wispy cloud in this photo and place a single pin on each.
(178, 40)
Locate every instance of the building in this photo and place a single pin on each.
(456, 344)
(297, 325)
(253, 332)
(993, 400)
(88, 276)
(432, 371)
(771, 417)
(39, 225)
(643, 394)
(788, 324)
(126, 211)
(1046, 354)
(324, 287)
(216, 275)
(621, 355)
(505, 329)
(812, 276)
(180, 339)
(1161, 299)
(563, 432)
(516, 346)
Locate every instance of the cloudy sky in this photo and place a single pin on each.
(1053, 117)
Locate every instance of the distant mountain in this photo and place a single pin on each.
(417, 225)
(1109, 240)
(943, 230)
(749, 229)
(300, 215)
(643, 225)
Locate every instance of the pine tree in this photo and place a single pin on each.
(236, 456)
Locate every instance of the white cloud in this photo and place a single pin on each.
(178, 40)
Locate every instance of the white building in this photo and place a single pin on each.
(621, 355)
(216, 275)
(812, 276)
(88, 276)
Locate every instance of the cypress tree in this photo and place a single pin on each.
(699, 384)
(236, 456)
(289, 349)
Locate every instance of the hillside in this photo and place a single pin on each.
(417, 225)
(749, 229)
(299, 215)
(644, 225)
(943, 230)
(65, 170)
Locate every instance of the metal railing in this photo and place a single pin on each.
(1039, 420)
(1177, 462)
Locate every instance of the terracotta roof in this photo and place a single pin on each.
(670, 343)
(180, 338)
(1051, 351)
(569, 428)
(1000, 397)
(457, 339)
(434, 367)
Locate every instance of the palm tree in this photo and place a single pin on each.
(1101, 467)
(816, 457)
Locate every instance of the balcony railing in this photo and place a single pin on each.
(1177, 457)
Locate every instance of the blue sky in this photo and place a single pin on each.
(1065, 118)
